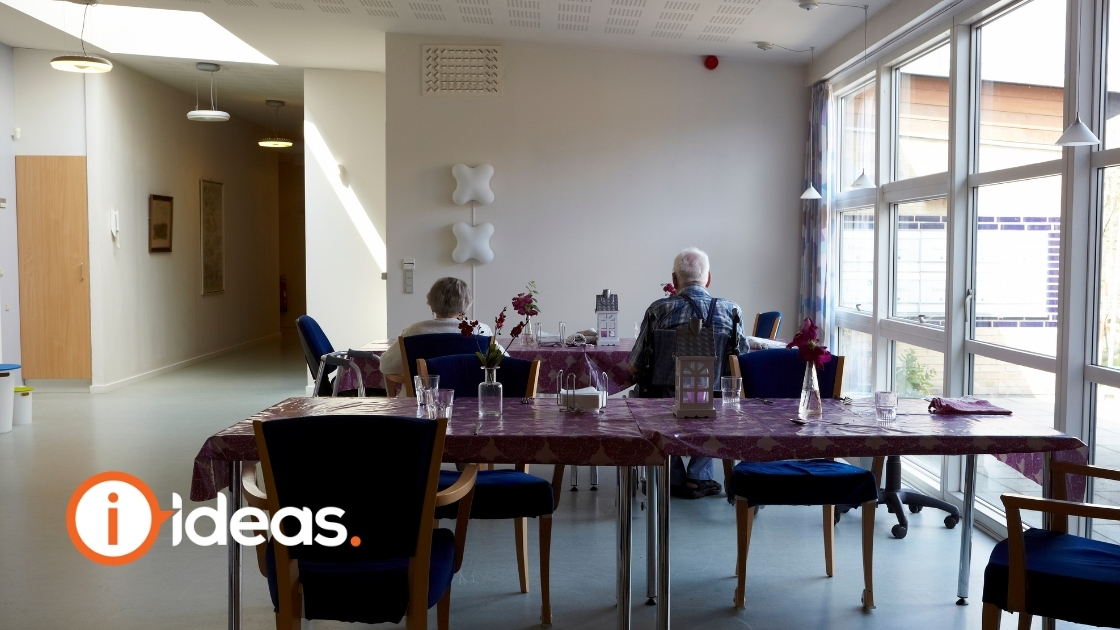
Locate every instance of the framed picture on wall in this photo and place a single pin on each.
(213, 245)
(160, 211)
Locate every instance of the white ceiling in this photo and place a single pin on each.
(349, 34)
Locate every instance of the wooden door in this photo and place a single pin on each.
(53, 266)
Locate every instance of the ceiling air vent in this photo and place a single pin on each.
(462, 70)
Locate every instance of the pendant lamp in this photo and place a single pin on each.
(275, 141)
(810, 193)
(207, 115)
(85, 63)
(863, 181)
(1078, 134)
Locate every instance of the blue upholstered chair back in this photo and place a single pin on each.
(315, 343)
(440, 345)
(766, 324)
(778, 374)
(463, 373)
(325, 461)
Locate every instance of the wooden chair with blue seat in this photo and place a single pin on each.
(766, 324)
(390, 562)
(504, 494)
(430, 346)
(778, 374)
(1050, 572)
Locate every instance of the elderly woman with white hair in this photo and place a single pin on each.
(691, 277)
(449, 299)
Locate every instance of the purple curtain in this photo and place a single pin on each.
(817, 282)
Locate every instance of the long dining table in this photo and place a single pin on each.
(535, 432)
(763, 430)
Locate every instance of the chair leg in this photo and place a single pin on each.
(443, 611)
(521, 538)
(828, 521)
(744, 522)
(868, 552)
(1025, 621)
(991, 617)
(546, 551)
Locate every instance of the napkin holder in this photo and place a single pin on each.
(579, 399)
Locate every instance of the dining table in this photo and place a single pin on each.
(529, 431)
(757, 429)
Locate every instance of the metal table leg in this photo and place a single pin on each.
(234, 550)
(965, 567)
(662, 480)
(625, 532)
(594, 478)
(651, 536)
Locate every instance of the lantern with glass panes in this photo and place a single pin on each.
(695, 376)
(606, 318)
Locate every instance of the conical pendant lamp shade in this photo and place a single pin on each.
(810, 193)
(1077, 135)
(863, 181)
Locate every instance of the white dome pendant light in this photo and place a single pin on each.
(85, 63)
(207, 115)
(275, 141)
(1078, 134)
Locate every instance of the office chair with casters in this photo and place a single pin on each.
(766, 324)
(504, 494)
(1050, 572)
(393, 564)
(430, 346)
(315, 344)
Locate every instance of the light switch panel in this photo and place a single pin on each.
(409, 265)
(3, 203)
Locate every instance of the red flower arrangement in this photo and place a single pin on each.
(808, 346)
(669, 289)
(493, 355)
(526, 303)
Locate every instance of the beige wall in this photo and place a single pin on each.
(607, 163)
(148, 311)
(292, 260)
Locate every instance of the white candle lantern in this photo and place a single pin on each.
(606, 318)
(695, 376)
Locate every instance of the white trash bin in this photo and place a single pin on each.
(22, 408)
(7, 395)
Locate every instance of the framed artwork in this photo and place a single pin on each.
(160, 210)
(213, 245)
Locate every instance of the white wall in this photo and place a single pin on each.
(49, 106)
(607, 163)
(9, 268)
(345, 293)
(148, 311)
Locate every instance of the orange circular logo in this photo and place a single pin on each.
(114, 518)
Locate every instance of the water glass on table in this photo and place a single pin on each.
(439, 403)
(731, 386)
(422, 386)
(886, 406)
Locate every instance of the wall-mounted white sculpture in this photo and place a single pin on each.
(472, 184)
(472, 242)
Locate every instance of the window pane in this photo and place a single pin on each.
(923, 115)
(1029, 394)
(857, 259)
(857, 140)
(1108, 318)
(1107, 454)
(916, 374)
(855, 347)
(1022, 57)
(1017, 241)
(919, 268)
(1112, 81)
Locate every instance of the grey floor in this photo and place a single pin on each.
(155, 428)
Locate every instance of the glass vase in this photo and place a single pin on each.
(810, 406)
(529, 334)
(490, 393)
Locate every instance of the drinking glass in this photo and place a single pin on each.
(423, 385)
(563, 335)
(439, 403)
(886, 406)
(731, 386)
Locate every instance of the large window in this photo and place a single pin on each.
(1107, 453)
(1112, 81)
(857, 136)
(919, 261)
(923, 115)
(1017, 250)
(1022, 57)
(1108, 317)
(857, 259)
(855, 347)
(918, 373)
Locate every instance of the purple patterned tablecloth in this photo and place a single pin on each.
(757, 431)
(536, 433)
(583, 360)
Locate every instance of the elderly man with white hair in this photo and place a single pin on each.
(691, 277)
